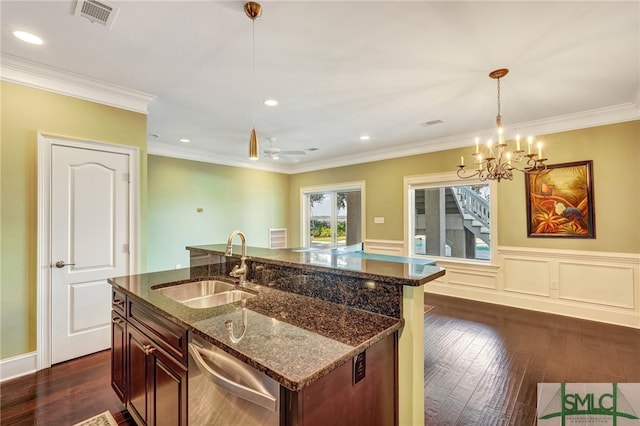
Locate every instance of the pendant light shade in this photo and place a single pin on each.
(253, 145)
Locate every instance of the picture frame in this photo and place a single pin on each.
(560, 201)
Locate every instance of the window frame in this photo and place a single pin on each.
(337, 187)
(441, 180)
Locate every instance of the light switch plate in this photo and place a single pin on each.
(378, 219)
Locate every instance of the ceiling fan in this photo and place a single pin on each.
(275, 153)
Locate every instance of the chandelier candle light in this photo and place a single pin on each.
(499, 161)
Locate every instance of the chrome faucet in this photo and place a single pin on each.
(238, 271)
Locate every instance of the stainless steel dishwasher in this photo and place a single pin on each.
(227, 392)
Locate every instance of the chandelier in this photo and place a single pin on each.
(499, 161)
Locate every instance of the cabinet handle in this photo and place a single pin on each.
(148, 349)
(117, 321)
(118, 302)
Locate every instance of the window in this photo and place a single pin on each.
(449, 218)
(332, 216)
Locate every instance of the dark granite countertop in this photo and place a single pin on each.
(292, 338)
(391, 269)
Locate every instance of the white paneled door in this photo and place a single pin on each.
(89, 231)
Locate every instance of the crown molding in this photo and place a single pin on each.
(581, 120)
(184, 153)
(33, 74)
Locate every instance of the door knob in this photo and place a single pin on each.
(61, 264)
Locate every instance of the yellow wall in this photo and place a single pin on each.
(25, 112)
(231, 198)
(614, 149)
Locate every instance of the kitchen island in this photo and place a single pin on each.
(311, 316)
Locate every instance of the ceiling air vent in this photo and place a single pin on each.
(431, 123)
(97, 12)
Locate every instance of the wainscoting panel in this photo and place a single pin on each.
(469, 275)
(598, 286)
(388, 247)
(611, 285)
(528, 276)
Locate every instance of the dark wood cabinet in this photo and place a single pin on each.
(150, 375)
(157, 383)
(148, 364)
(337, 399)
(118, 355)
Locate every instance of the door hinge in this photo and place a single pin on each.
(125, 177)
(125, 248)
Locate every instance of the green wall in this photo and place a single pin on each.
(614, 149)
(230, 198)
(25, 112)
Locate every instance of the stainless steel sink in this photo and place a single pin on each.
(223, 298)
(205, 294)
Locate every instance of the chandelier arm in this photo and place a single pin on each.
(462, 173)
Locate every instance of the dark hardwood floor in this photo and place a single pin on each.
(482, 365)
(483, 361)
(62, 395)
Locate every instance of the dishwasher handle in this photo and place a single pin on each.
(262, 399)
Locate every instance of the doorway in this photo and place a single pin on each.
(87, 233)
(332, 216)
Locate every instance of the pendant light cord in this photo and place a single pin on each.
(253, 90)
(498, 96)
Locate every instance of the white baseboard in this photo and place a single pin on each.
(17, 366)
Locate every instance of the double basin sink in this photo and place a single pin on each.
(205, 294)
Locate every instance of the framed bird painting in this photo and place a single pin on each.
(560, 201)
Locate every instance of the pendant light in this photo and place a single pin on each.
(253, 10)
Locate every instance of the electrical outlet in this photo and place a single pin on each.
(359, 367)
(378, 219)
(554, 285)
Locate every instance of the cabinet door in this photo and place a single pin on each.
(170, 390)
(118, 355)
(157, 383)
(138, 369)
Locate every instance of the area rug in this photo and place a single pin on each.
(427, 308)
(102, 419)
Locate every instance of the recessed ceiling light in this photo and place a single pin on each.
(28, 37)
(270, 102)
(184, 140)
(365, 137)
